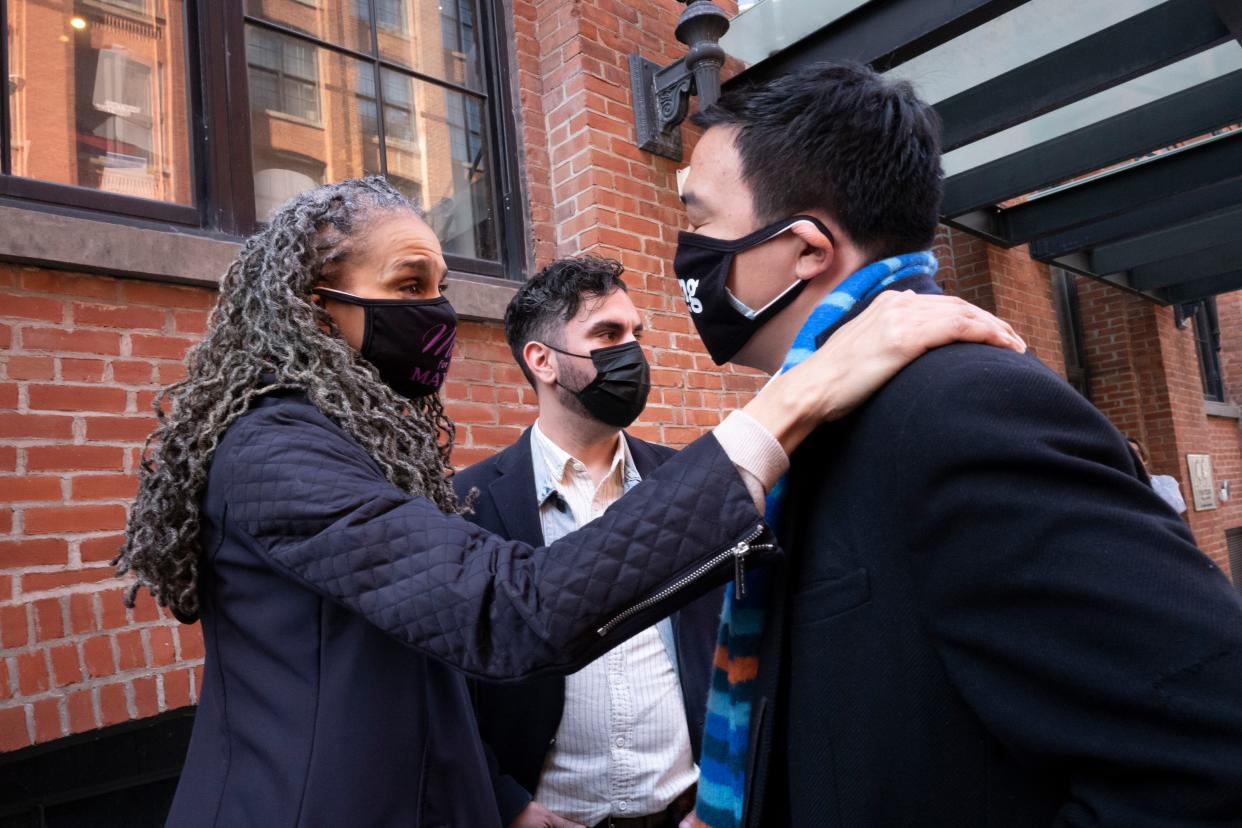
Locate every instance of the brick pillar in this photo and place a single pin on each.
(1145, 378)
(611, 199)
(1013, 286)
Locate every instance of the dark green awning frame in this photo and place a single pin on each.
(1166, 223)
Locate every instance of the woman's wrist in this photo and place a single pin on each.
(790, 408)
(753, 448)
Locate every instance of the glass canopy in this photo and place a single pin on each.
(1124, 97)
(1077, 127)
(762, 29)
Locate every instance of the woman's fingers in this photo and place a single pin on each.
(915, 324)
(897, 329)
(864, 354)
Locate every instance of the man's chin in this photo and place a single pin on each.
(752, 356)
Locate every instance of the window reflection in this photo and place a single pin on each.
(315, 110)
(110, 77)
(337, 22)
(284, 75)
(436, 142)
(308, 119)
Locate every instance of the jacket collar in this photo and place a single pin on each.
(550, 461)
(513, 492)
(646, 458)
(918, 284)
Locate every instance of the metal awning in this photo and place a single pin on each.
(1108, 136)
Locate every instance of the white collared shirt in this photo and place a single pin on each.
(623, 747)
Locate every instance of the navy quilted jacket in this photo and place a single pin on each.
(340, 615)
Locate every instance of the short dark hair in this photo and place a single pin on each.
(552, 297)
(838, 137)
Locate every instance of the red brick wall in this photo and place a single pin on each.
(83, 356)
(1229, 311)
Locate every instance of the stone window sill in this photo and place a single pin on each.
(1219, 409)
(66, 242)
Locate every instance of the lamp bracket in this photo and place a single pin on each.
(662, 94)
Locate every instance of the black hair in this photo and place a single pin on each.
(838, 137)
(552, 297)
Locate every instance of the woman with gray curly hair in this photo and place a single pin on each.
(297, 501)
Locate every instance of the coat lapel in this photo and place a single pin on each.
(513, 493)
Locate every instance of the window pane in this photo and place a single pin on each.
(311, 122)
(435, 38)
(97, 96)
(437, 155)
(343, 22)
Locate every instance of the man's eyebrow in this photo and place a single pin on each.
(604, 326)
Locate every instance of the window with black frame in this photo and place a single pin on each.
(359, 87)
(97, 110)
(1207, 338)
(209, 115)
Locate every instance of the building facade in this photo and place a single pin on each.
(138, 151)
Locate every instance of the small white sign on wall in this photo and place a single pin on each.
(1201, 482)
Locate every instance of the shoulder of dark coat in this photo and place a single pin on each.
(930, 381)
(482, 473)
(968, 398)
(656, 451)
(283, 410)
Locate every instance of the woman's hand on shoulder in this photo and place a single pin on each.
(864, 354)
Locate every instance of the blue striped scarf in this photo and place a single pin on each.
(722, 767)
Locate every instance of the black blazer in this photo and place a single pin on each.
(338, 611)
(989, 619)
(518, 722)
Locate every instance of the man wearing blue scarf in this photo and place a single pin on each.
(986, 617)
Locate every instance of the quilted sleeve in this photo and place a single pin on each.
(318, 509)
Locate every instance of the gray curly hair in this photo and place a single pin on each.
(265, 335)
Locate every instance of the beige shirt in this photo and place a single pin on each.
(623, 747)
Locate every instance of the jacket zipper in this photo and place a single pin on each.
(737, 552)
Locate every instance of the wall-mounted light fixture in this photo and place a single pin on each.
(662, 95)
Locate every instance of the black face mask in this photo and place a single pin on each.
(618, 394)
(409, 341)
(702, 266)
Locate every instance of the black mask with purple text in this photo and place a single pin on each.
(409, 341)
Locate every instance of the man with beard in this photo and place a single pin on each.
(616, 743)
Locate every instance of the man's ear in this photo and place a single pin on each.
(817, 253)
(539, 360)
